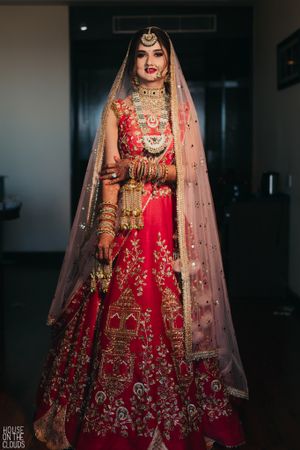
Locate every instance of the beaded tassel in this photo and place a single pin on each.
(131, 208)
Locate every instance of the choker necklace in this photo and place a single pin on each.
(151, 92)
(153, 101)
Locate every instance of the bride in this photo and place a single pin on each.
(143, 354)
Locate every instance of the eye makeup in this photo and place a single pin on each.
(157, 53)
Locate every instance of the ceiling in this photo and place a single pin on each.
(107, 2)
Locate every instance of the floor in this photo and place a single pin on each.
(268, 336)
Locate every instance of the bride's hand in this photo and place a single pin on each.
(120, 168)
(105, 248)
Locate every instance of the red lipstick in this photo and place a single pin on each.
(151, 70)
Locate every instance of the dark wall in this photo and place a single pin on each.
(218, 64)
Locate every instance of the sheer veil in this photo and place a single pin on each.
(208, 325)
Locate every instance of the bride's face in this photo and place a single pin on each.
(151, 64)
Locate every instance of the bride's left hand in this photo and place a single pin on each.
(120, 168)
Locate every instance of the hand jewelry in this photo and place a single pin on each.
(114, 175)
(142, 169)
(107, 218)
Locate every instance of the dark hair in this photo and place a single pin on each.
(162, 38)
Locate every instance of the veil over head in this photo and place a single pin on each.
(208, 325)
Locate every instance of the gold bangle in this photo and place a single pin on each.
(103, 214)
(130, 169)
(165, 173)
(110, 232)
(109, 205)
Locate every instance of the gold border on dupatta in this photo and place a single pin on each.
(99, 147)
(187, 308)
(237, 392)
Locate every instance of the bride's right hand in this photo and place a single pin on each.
(105, 248)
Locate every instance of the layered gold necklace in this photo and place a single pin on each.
(156, 103)
(153, 100)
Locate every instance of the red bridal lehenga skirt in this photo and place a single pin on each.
(116, 377)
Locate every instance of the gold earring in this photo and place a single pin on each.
(135, 81)
(168, 78)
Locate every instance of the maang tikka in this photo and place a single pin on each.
(149, 39)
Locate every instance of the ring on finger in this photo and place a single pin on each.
(114, 175)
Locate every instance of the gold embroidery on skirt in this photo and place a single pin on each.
(216, 402)
(122, 325)
(173, 321)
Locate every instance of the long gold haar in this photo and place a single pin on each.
(156, 102)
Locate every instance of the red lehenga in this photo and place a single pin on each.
(116, 376)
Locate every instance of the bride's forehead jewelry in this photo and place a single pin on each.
(149, 39)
